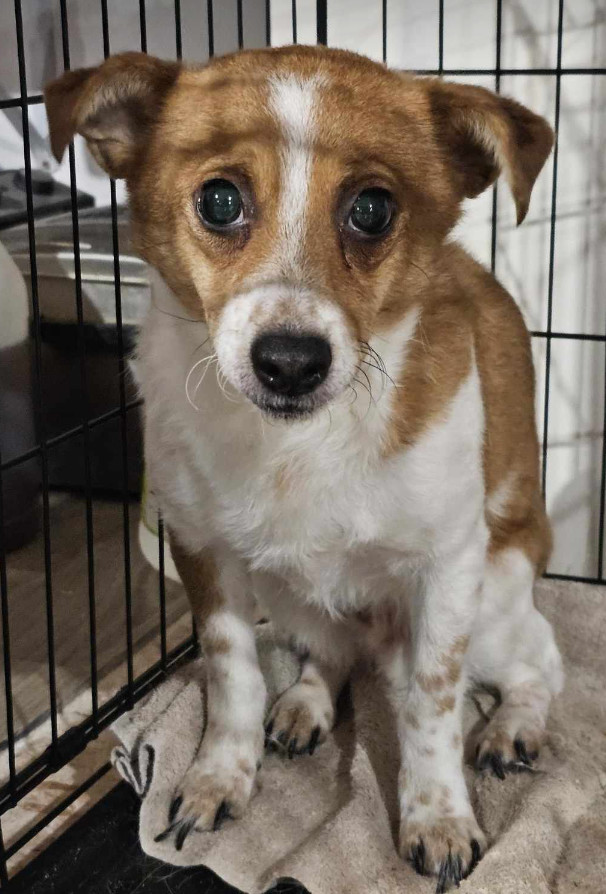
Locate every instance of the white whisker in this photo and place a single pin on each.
(212, 359)
(188, 379)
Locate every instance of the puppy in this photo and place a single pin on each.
(339, 412)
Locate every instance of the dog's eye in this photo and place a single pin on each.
(372, 211)
(220, 204)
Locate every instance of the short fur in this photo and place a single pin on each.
(400, 516)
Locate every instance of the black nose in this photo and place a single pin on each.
(291, 364)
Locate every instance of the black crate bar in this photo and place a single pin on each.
(552, 237)
(240, 25)
(322, 21)
(497, 87)
(6, 648)
(384, 30)
(143, 25)
(178, 34)
(161, 559)
(90, 554)
(65, 747)
(211, 28)
(440, 37)
(38, 395)
(122, 373)
(268, 23)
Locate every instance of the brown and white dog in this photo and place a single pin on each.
(339, 405)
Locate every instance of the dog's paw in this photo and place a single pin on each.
(502, 753)
(300, 720)
(217, 786)
(448, 847)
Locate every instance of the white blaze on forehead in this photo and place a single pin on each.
(293, 101)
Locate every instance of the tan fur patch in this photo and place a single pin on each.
(430, 683)
(444, 704)
(216, 645)
(199, 576)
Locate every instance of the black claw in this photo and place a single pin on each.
(182, 832)
(292, 748)
(174, 808)
(221, 815)
(269, 728)
(497, 765)
(521, 752)
(445, 876)
(482, 762)
(162, 836)
(457, 870)
(476, 853)
(417, 856)
(313, 741)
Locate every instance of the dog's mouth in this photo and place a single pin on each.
(287, 408)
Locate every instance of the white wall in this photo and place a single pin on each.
(529, 40)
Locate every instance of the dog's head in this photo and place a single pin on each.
(294, 198)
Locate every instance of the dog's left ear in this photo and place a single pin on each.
(484, 134)
(113, 106)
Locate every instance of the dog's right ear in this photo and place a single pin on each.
(113, 106)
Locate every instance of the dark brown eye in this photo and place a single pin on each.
(371, 212)
(220, 204)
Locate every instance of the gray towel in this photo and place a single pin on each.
(330, 820)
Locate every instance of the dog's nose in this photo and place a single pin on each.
(291, 364)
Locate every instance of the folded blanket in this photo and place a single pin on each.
(330, 820)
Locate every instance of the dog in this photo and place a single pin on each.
(339, 407)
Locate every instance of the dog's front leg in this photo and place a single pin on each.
(220, 781)
(438, 830)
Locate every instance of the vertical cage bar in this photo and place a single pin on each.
(322, 21)
(602, 490)
(6, 648)
(211, 28)
(268, 23)
(178, 31)
(441, 37)
(38, 403)
(240, 25)
(90, 548)
(294, 21)
(3, 866)
(162, 591)
(552, 237)
(122, 372)
(384, 28)
(143, 25)
(497, 87)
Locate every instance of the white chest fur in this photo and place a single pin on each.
(316, 502)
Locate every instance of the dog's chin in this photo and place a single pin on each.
(288, 409)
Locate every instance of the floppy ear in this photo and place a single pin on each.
(113, 106)
(485, 134)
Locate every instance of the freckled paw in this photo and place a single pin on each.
(501, 753)
(299, 721)
(449, 848)
(206, 798)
